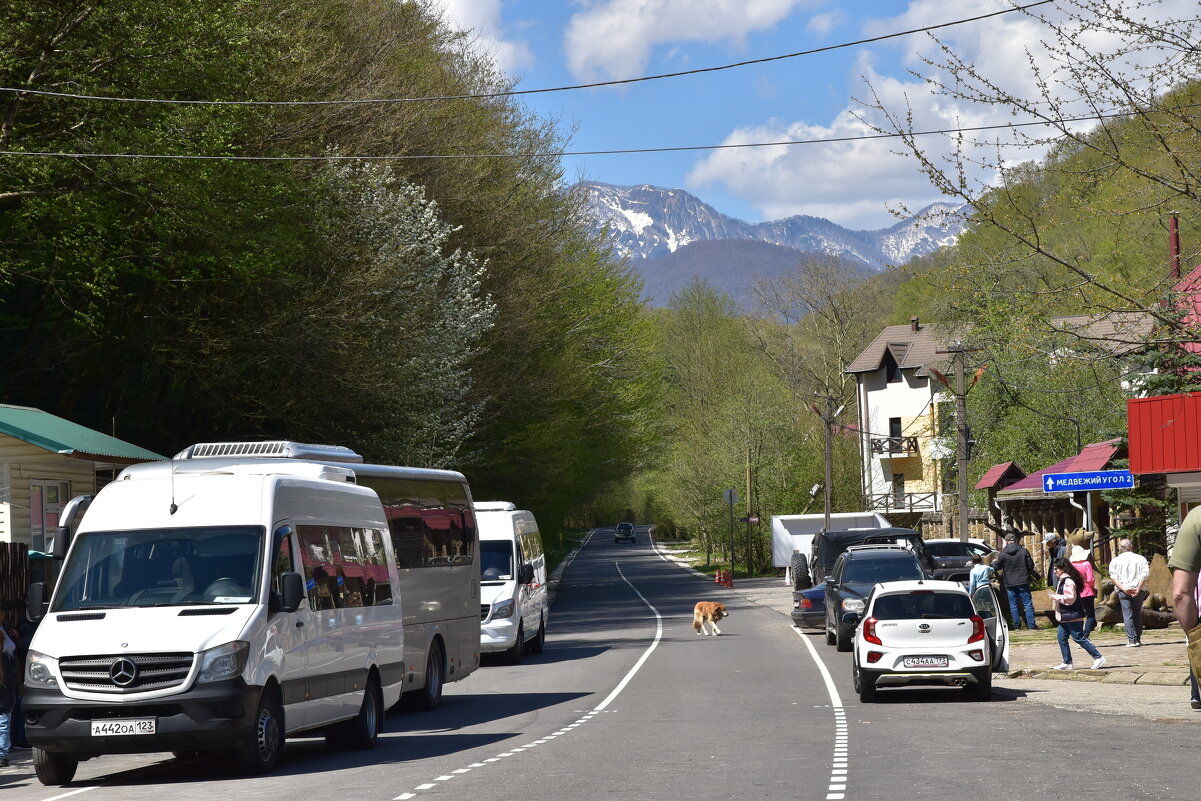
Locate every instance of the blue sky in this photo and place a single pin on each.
(547, 43)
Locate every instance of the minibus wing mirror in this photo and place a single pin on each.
(70, 517)
(526, 574)
(35, 601)
(292, 590)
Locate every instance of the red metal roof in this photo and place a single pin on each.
(1091, 457)
(998, 473)
(1165, 433)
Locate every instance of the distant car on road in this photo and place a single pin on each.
(928, 633)
(953, 558)
(624, 531)
(856, 571)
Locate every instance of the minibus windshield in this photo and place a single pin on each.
(496, 561)
(162, 567)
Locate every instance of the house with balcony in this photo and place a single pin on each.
(902, 413)
(907, 416)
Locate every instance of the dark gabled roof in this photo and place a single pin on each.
(1117, 332)
(911, 349)
(57, 435)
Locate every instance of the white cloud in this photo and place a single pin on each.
(484, 19)
(853, 183)
(612, 39)
(822, 24)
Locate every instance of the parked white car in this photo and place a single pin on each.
(928, 633)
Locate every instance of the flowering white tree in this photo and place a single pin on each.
(413, 313)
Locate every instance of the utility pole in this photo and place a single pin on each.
(750, 555)
(828, 418)
(959, 359)
(828, 453)
(959, 354)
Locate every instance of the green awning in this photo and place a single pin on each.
(61, 436)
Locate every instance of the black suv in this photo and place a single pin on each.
(827, 545)
(623, 531)
(856, 572)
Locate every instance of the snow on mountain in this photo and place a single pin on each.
(646, 222)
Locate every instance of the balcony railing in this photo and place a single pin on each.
(893, 446)
(903, 502)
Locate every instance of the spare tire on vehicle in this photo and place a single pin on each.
(799, 568)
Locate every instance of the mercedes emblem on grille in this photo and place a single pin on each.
(123, 672)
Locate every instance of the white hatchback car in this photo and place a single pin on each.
(928, 633)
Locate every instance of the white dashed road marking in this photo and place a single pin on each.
(572, 726)
(838, 765)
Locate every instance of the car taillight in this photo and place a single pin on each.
(869, 631)
(873, 657)
(806, 603)
(977, 629)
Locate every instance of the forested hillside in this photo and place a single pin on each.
(440, 311)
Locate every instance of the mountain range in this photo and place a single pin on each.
(671, 237)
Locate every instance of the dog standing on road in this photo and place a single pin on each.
(708, 612)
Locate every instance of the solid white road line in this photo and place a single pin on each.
(645, 655)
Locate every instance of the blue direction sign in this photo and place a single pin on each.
(1083, 482)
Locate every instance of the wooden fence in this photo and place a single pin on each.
(14, 582)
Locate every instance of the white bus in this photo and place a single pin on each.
(436, 542)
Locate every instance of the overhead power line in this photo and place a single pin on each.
(517, 92)
(573, 153)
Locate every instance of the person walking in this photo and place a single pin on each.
(1017, 566)
(981, 574)
(1088, 590)
(8, 692)
(1129, 572)
(1070, 613)
(1055, 547)
(1185, 564)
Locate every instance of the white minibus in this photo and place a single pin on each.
(513, 602)
(434, 537)
(216, 607)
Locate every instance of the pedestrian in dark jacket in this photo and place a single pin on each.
(1057, 547)
(1016, 566)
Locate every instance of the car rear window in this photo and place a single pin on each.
(922, 605)
(874, 571)
(948, 548)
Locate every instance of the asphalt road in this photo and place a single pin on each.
(627, 702)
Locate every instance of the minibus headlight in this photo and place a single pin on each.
(503, 609)
(40, 670)
(223, 662)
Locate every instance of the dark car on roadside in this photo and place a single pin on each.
(827, 545)
(856, 571)
(623, 531)
(953, 558)
(809, 607)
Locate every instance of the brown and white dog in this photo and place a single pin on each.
(708, 612)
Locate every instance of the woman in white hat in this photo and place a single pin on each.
(1088, 592)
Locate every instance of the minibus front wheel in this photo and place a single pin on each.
(262, 748)
(52, 768)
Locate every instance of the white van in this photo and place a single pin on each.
(206, 607)
(513, 609)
